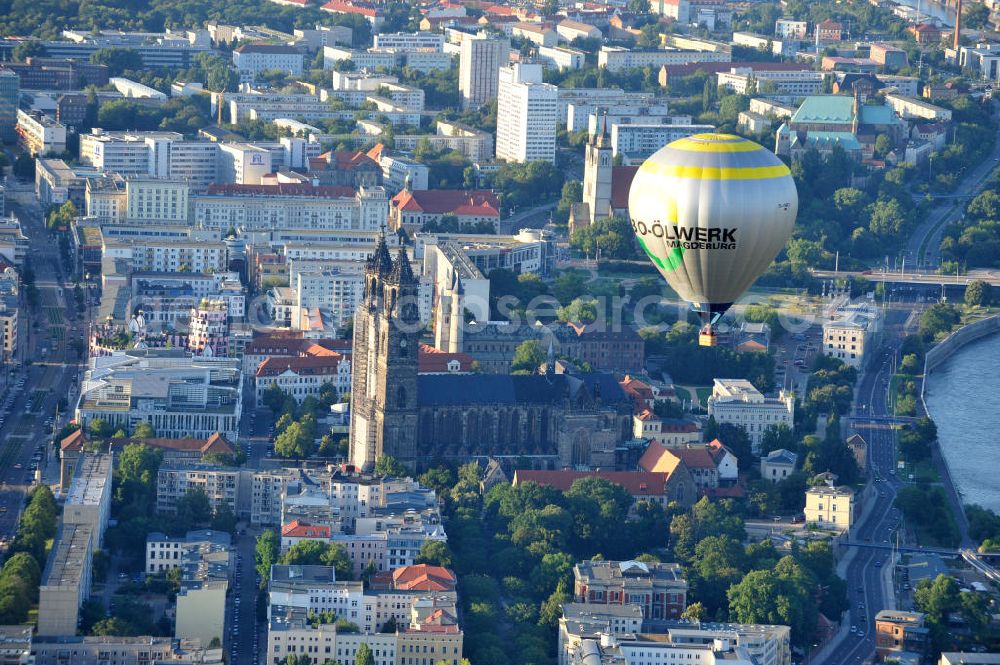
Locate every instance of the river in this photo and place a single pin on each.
(963, 397)
(932, 8)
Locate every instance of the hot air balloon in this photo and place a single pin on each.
(712, 211)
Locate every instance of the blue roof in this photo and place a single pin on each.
(829, 109)
(459, 389)
(818, 140)
(781, 456)
(878, 115)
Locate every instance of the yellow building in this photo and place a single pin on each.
(830, 507)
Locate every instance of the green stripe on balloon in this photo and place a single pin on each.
(673, 259)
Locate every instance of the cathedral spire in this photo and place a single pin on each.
(380, 262)
(402, 271)
(603, 139)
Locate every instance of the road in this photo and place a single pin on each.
(927, 236)
(242, 632)
(912, 277)
(44, 333)
(878, 523)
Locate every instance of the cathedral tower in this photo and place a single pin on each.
(384, 366)
(598, 168)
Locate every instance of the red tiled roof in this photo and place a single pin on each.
(343, 7)
(636, 483)
(73, 441)
(646, 415)
(499, 10)
(342, 160)
(926, 27)
(621, 181)
(423, 577)
(679, 427)
(282, 189)
(298, 529)
(734, 492)
(431, 360)
(301, 365)
(695, 458)
(284, 344)
(829, 24)
(478, 203)
(216, 443)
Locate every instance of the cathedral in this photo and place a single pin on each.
(605, 185)
(552, 420)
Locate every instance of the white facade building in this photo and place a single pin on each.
(243, 163)
(479, 63)
(251, 59)
(738, 402)
(290, 206)
(150, 199)
(39, 134)
(526, 115)
(641, 141)
(853, 332)
(409, 41)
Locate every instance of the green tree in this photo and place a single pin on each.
(143, 430)
(388, 466)
(435, 553)
(580, 310)
(99, 428)
(117, 59)
(194, 508)
(977, 293)
(224, 519)
(266, 554)
(883, 145)
(528, 356)
(28, 49)
(24, 166)
(364, 656)
(295, 442)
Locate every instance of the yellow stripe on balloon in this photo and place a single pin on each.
(716, 173)
(694, 145)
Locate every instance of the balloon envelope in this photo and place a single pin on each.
(712, 211)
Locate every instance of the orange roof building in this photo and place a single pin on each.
(661, 487)
(413, 209)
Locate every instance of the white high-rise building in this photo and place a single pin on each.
(150, 199)
(526, 115)
(480, 61)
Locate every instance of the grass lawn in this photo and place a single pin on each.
(682, 394)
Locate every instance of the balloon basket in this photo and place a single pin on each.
(707, 337)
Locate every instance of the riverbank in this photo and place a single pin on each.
(950, 455)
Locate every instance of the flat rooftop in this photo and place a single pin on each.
(90, 483)
(69, 555)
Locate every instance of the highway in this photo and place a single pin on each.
(927, 236)
(866, 594)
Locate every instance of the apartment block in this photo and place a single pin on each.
(39, 134)
(290, 206)
(88, 501)
(526, 115)
(738, 402)
(479, 63)
(66, 580)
